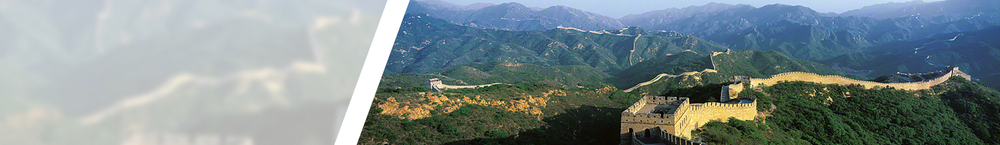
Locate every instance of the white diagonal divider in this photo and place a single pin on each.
(378, 54)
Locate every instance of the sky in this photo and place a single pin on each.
(619, 8)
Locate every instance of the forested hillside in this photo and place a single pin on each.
(956, 112)
(762, 64)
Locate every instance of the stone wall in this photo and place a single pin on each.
(686, 117)
(660, 136)
(445, 86)
(434, 85)
(699, 114)
(438, 86)
(657, 78)
(638, 130)
(631, 119)
(834, 79)
(677, 140)
(661, 76)
(675, 128)
(732, 91)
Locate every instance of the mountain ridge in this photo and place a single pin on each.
(795, 30)
(516, 16)
(607, 50)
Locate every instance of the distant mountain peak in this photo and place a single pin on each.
(949, 8)
(785, 7)
(512, 5)
(561, 7)
(476, 6)
(517, 16)
(712, 4)
(440, 2)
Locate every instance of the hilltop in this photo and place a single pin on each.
(673, 64)
(766, 63)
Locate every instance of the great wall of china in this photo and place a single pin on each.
(823, 79)
(658, 77)
(436, 85)
(659, 119)
(834, 79)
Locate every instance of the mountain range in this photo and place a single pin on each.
(950, 8)
(796, 31)
(555, 69)
(515, 16)
(425, 43)
(974, 52)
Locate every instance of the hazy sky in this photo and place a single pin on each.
(619, 8)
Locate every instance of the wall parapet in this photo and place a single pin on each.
(726, 106)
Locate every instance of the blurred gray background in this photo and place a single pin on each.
(180, 72)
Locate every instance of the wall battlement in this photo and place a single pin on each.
(634, 113)
(730, 106)
(684, 117)
(699, 114)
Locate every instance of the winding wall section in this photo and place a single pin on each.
(437, 86)
(834, 79)
(660, 76)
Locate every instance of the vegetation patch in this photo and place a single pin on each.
(491, 115)
(851, 114)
